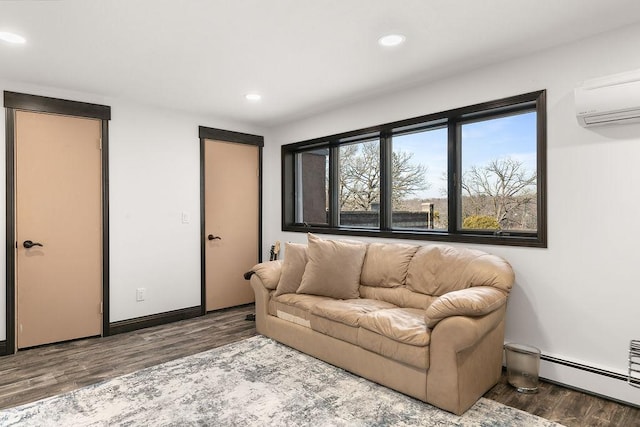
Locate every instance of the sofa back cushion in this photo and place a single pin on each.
(438, 269)
(295, 261)
(333, 269)
(385, 264)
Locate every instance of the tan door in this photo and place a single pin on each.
(58, 206)
(231, 221)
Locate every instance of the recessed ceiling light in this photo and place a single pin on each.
(253, 97)
(391, 40)
(12, 38)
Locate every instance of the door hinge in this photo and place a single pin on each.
(100, 144)
(101, 307)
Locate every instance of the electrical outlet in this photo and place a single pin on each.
(140, 294)
(186, 218)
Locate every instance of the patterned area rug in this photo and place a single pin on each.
(255, 382)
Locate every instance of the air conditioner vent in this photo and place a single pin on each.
(627, 116)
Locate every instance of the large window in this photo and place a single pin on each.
(312, 186)
(474, 174)
(499, 179)
(359, 184)
(419, 177)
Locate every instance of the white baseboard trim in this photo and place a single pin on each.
(600, 382)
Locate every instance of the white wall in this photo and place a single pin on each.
(578, 299)
(154, 176)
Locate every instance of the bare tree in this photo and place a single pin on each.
(360, 176)
(407, 178)
(503, 188)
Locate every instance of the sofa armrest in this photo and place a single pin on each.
(465, 359)
(262, 297)
(474, 301)
(268, 272)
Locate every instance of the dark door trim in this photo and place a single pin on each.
(23, 102)
(239, 138)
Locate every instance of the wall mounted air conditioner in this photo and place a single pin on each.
(609, 100)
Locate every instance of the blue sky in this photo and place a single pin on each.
(511, 136)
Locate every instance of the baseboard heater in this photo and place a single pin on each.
(634, 364)
(582, 367)
(632, 380)
(633, 376)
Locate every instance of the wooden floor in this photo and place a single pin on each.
(565, 406)
(46, 371)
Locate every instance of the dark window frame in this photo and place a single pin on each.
(453, 119)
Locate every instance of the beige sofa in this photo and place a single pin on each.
(427, 321)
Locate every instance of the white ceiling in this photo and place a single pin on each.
(303, 56)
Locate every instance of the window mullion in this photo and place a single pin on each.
(386, 158)
(454, 175)
(334, 187)
(288, 188)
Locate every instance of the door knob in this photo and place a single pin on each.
(212, 237)
(29, 244)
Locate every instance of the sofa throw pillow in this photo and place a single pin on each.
(295, 260)
(333, 269)
(385, 264)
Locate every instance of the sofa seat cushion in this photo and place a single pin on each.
(399, 333)
(341, 318)
(296, 308)
(400, 296)
(404, 325)
(348, 311)
(334, 329)
(412, 355)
